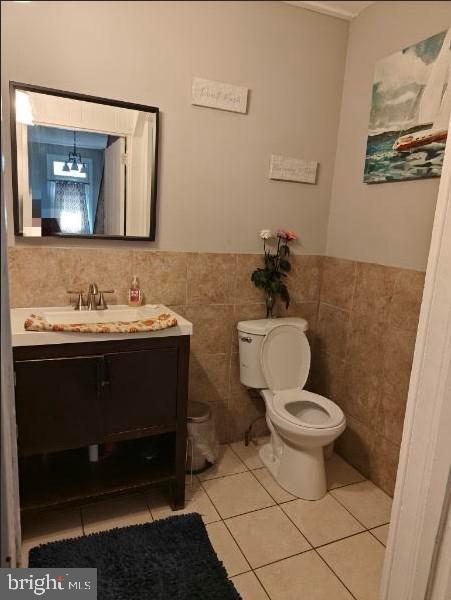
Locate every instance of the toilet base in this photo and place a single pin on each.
(300, 471)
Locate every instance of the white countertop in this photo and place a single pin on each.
(21, 337)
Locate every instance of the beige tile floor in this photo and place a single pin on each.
(273, 545)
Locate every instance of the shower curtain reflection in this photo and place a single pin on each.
(70, 206)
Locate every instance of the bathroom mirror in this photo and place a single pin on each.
(82, 166)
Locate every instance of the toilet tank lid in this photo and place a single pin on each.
(264, 326)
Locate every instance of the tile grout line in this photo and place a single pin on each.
(339, 308)
(333, 573)
(262, 466)
(343, 485)
(276, 504)
(229, 384)
(239, 514)
(239, 548)
(299, 529)
(346, 537)
(239, 457)
(349, 510)
(375, 537)
(229, 446)
(312, 548)
(224, 476)
(221, 519)
(251, 569)
(269, 563)
(315, 548)
(355, 286)
(390, 303)
(267, 491)
(365, 528)
(261, 584)
(205, 304)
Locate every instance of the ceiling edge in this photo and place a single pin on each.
(340, 13)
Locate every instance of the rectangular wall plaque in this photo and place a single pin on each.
(215, 94)
(284, 168)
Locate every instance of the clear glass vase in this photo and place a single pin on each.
(269, 301)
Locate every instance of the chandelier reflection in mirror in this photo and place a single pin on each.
(74, 161)
(84, 166)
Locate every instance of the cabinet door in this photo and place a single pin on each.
(140, 391)
(57, 403)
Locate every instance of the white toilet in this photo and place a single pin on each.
(275, 357)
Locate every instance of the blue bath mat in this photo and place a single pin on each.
(170, 559)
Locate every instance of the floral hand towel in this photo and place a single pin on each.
(163, 321)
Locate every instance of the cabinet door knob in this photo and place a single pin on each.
(246, 339)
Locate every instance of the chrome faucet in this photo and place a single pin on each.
(80, 303)
(92, 293)
(92, 302)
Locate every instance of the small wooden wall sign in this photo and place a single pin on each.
(284, 168)
(215, 94)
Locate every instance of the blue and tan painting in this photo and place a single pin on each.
(410, 112)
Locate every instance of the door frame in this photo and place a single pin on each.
(423, 487)
(11, 542)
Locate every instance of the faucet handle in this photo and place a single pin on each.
(93, 291)
(80, 304)
(102, 305)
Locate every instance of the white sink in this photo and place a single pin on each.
(115, 313)
(67, 315)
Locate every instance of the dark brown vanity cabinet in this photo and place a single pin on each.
(71, 396)
(135, 378)
(54, 398)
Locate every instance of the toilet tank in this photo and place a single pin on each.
(250, 338)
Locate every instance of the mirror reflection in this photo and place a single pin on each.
(84, 168)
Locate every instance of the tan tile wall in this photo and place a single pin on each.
(367, 322)
(211, 290)
(363, 319)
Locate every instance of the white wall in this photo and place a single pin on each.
(214, 191)
(388, 223)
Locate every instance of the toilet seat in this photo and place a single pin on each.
(285, 361)
(285, 357)
(306, 409)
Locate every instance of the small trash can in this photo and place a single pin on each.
(203, 446)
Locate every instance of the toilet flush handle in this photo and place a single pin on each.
(246, 339)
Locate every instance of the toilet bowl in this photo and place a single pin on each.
(275, 358)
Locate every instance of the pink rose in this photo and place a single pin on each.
(285, 234)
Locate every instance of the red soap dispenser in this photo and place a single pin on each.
(135, 295)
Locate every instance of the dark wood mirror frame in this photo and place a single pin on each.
(13, 87)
